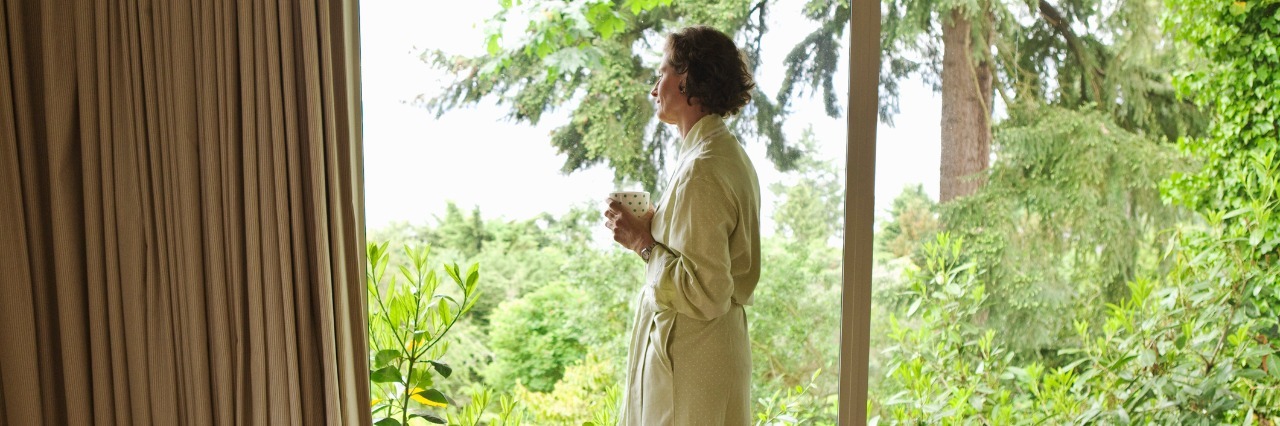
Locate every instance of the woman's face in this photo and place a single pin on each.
(671, 104)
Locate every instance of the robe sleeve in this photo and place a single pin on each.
(691, 270)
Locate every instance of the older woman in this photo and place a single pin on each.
(690, 358)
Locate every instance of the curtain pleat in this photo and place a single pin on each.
(182, 234)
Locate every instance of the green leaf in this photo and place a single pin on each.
(452, 270)
(1256, 237)
(1235, 213)
(473, 275)
(1121, 362)
(914, 306)
(386, 375)
(387, 421)
(442, 368)
(430, 418)
(421, 378)
(444, 311)
(1251, 373)
(1072, 366)
(385, 356)
(1239, 8)
(492, 46)
(406, 273)
(434, 395)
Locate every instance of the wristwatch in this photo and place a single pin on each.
(645, 252)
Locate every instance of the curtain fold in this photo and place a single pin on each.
(181, 213)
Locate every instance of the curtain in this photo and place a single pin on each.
(182, 228)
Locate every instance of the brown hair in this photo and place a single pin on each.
(717, 73)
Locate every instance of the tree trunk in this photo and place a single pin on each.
(966, 111)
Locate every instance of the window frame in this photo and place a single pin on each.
(859, 208)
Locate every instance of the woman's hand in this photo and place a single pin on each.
(629, 230)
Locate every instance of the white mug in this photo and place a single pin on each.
(635, 201)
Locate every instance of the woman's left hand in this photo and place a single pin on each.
(629, 230)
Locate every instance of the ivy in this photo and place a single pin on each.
(1234, 50)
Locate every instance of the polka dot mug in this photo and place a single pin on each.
(636, 201)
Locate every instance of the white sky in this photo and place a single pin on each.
(414, 163)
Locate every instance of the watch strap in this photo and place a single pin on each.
(646, 252)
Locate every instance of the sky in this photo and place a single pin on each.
(416, 163)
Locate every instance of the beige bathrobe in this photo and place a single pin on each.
(690, 357)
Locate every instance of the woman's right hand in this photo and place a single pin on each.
(629, 230)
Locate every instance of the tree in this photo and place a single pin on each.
(811, 210)
(1071, 213)
(600, 57)
(467, 235)
(1194, 345)
(913, 220)
(536, 337)
(1073, 54)
(1069, 209)
(966, 99)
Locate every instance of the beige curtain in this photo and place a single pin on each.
(182, 213)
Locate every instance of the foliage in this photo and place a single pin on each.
(1190, 350)
(1067, 53)
(1191, 340)
(610, 279)
(509, 414)
(526, 256)
(1181, 350)
(465, 234)
(913, 219)
(944, 367)
(795, 319)
(536, 337)
(1069, 215)
(1232, 51)
(588, 392)
(1075, 54)
(795, 314)
(407, 324)
(797, 405)
(600, 57)
(589, 290)
(812, 208)
(942, 364)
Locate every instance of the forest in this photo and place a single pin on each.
(1103, 249)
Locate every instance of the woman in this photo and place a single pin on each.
(690, 360)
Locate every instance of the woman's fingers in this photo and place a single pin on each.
(615, 210)
(627, 228)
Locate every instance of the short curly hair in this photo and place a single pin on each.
(718, 74)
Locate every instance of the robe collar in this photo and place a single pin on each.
(706, 128)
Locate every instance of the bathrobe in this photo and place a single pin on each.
(690, 357)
